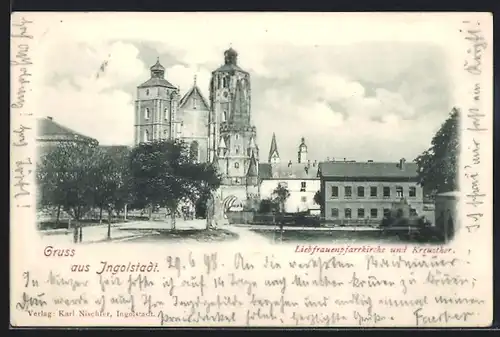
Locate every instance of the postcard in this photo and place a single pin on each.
(251, 170)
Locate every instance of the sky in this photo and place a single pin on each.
(354, 86)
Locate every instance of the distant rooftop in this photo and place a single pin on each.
(368, 170)
(49, 130)
(288, 170)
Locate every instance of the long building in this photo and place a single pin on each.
(367, 190)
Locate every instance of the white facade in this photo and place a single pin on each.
(301, 193)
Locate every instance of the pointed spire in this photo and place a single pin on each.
(222, 148)
(222, 143)
(239, 113)
(252, 144)
(273, 151)
(252, 168)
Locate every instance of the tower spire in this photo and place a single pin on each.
(157, 70)
(302, 155)
(274, 155)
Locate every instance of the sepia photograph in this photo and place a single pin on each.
(251, 169)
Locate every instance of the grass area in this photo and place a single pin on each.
(311, 236)
(200, 235)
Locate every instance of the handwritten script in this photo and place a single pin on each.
(257, 289)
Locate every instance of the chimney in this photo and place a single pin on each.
(402, 162)
(289, 163)
(49, 118)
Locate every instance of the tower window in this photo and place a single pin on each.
(147, 92)
(236, 165)
(224, 116)
(237, 137)
(225, 82)
(166, 113)
(146, 113)
(303, 186)
(237, 149)
(146, 135)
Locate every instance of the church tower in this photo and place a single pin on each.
(232, 137)
(274, 156)
(302, 155)
(156, 108)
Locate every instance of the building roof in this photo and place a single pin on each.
(157, 77)
(288, 171)
(229, 67)
(157, 82)
(367, 170)
(193, 91)
(50, 130)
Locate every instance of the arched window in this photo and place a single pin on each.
(224, 116)
(146, 113)
(194, 151)
(225, 82)
(166, 113)
(236, 165)
(146, 135)
(147, 92)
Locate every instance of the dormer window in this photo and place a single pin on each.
(146, 113)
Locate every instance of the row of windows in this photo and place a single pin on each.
(303, 185)
(147, 113)
(412, 192)
(361, 213)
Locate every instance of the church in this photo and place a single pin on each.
(218, 130)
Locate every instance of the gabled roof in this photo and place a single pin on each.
(193, 91)
(367, 170)
(286, 171)
(50, 130)
(157, 82)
